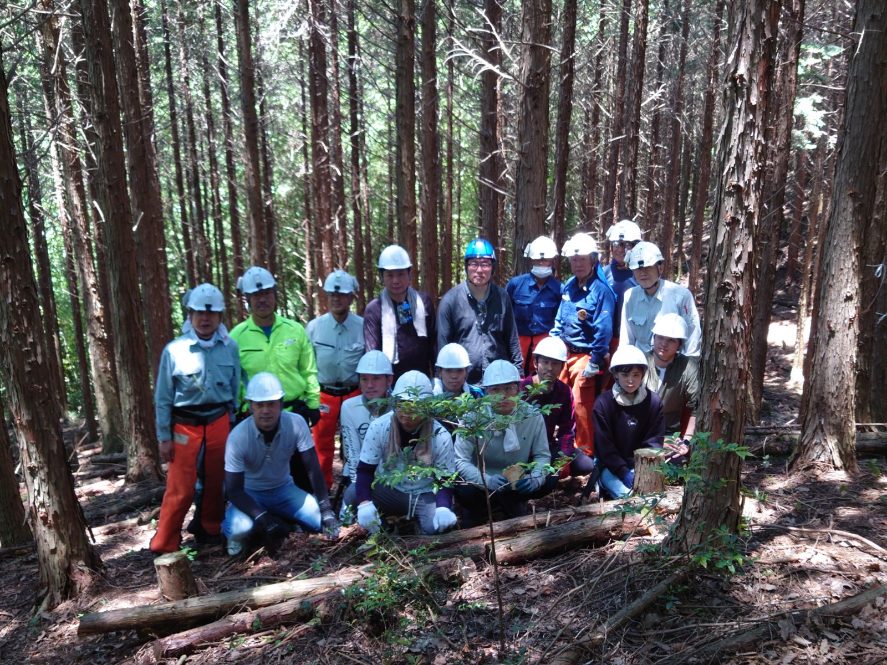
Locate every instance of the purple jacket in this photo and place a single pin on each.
(413, 352)
(560, 423)
(620, 430)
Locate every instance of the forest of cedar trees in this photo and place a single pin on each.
(147, 146)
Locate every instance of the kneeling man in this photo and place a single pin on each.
(263, 499)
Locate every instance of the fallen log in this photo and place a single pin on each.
(130, 500)
(782, 443)
(454, 570)
(752, 639)
(195, 610)
(114, 527)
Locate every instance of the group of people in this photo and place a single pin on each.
(585, 372)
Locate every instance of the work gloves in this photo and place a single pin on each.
(313, 417)
(443, 519)
(628, 478)
(528, 484)
(329, 525)
(496, 481)
(591, 370)
(272, 530)
(368, 516)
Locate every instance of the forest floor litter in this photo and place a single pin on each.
(811, 541)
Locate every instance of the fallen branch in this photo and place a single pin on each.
(577, 651)
(830, 532)
(784, 440)
(130, 500)
(114, 527)
(16, 550)
(753, 638)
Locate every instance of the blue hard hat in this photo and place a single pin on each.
(480, 249)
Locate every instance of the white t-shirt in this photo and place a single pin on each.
(354, 419)
(266, 466)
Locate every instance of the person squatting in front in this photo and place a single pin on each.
(519, 439)
(535, 297)
(626, 418)
(395, 442)
(550, 355)
(263, 500)
(195, 398)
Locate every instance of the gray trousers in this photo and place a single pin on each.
(390, 501)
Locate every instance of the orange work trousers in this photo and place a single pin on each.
(527, 344)
(181, 476)
(585, 392)
(324, 432)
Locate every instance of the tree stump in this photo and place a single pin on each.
(647, 477)
(174, 576)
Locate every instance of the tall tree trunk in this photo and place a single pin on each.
(430, 140)
(405, 119)
(446, 237)
(674, 152)
(628, 188)
(13, 520)
(713, 502)
(318, 85)
(617, 126)
(772, 219)
(491, 190)
(313, 259)
(258, 243)
(531, 170)
(700, 193)
(268, 181)
(336, 158)
(144, 182)
(652, 206)
(564, 115)
(54, 515)
(230, 169)
(142, 459)
(103, 367)
(591, 178)
(50, 328)
(794, 235)
(184, 218)
(360, 212)
(828, 435)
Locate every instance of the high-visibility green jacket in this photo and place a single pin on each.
(287, 354)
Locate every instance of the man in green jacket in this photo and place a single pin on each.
(272, 343)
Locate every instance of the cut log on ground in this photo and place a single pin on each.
(115, 458)
(872, 444)
(174, 576)
(130, 500)
(648, 478)
(115, 527)
(754, 638)
(578, 651)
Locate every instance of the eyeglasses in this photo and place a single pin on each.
(479, 264)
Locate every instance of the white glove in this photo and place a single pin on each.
(368, 516)
(444, 519)
(591, 370)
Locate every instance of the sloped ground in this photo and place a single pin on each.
(810, 541)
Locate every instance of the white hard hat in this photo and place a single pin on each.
(206, 298)
(257, 279)
(670, 325)
(626, 356)
(499, 372)
(624, 229)
(644, 255)
(374, 362)
(453, 356)
(264, 387)
(552, 347)
(412, 385)
(542, 247)
(394, 257)
(580, 244)
(339, 281)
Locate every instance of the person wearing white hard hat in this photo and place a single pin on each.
(452, 372)
(521, 441)
(264, 501)
(272, 343)
(675, 377)
(584, 322)
(626, 418)
(337, 338)
(654, 296)
(376, 376)
(478, 314)
(195, 398)
(395, 442)
(560, 422)
(622, 237)
(401, 321)
(535, 297)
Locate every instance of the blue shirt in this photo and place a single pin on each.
(534, 307)
(192, 375)
(620, 280)
(589, 332)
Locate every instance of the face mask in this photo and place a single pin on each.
(541, 272)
